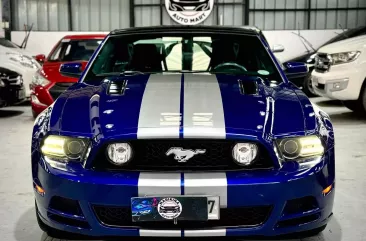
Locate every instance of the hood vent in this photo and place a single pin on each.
(117, 87)
(248, 87)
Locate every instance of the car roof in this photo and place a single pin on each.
(85, 36)
(240, 29)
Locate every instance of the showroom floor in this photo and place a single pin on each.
(17, 217)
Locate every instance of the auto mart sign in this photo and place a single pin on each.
(189, 12)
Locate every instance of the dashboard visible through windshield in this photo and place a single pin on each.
(186, 52)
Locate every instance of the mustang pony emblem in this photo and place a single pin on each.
(183, 155)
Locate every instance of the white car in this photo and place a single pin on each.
(18, 60)
(340, 72)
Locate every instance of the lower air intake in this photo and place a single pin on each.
(229, 217)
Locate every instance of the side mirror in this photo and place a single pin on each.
(73, 70)
(296, 70)
(278, 48)
(40, 58)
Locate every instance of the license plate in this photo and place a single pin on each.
(314, 81)
(21, 94)
(199, 208)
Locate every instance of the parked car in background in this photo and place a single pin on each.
(309, 58)
(13, 58)
(48, 83)
(340, 72)
(11, 87)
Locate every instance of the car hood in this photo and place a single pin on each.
(51, 71)
(351, 44)
(179, 105)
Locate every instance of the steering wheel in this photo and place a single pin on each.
(230, 64)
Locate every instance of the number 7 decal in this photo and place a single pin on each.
(212, 203)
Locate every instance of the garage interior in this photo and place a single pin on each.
(300, 26)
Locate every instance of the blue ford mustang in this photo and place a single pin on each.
(200, 125)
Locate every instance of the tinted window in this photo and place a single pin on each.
(215, 53)
(74, 50)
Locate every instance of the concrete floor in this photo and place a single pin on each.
(17, 216)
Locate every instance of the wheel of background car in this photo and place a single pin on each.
(229, 64)
(307, 88)
(353, 105)
(363, 97)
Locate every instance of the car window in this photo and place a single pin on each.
(74, 50)
(156, 53)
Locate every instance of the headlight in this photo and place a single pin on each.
(39, 80)
(245, 153)
(62, 148)
(300, 147)
(119, 153)
(345, 57)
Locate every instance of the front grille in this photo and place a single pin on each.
(229, 217)
(322, 62)
(150, 155)
(58, 89)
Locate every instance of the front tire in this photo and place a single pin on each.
(362, 99)
(353, 105)
(51, 232)
(358, 106)
(34, 114)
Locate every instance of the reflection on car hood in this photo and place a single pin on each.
(179, 105)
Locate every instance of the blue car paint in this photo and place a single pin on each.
(70, 116)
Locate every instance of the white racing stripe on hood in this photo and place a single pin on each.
(160, 107)
(203, 110)
(212, 184)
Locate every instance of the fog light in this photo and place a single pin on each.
(119, 153)
(336, 85)
(245, 153)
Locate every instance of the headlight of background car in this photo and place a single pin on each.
(23, 60)
(245, 153)
(39, 80)
(62, 149)
(345, 57)
(300, 147)
(119, 153)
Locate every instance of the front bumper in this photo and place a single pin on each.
(237, 189)
(40, 98)
(342, 82)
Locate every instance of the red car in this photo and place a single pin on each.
(48, 83)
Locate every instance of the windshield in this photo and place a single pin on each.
(157, 53)
(7, 43)
(74, 50)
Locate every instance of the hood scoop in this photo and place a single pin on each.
(117, 87)
(248, 87)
